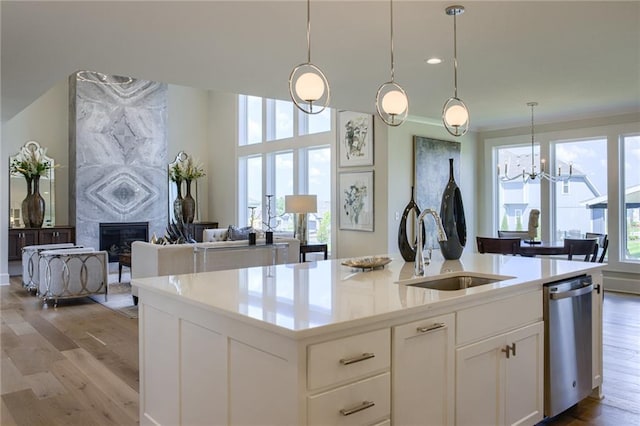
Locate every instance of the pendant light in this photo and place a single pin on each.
(392, 103)
(455, 114)
(308, 86)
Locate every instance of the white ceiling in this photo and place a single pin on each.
(578, 59)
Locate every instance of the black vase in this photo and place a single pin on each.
(408, 250)
(452, 216)
(177, 203)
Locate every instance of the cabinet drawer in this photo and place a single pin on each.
(360, 403)
(496, 317)
(338, 361)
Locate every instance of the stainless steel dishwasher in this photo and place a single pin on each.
(567, 331)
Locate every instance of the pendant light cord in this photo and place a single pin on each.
(455, 56)
(532, 104)
(308, 32)
(391, 15)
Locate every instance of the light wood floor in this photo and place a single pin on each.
(78, 364)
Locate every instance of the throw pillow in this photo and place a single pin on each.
(215, 234)
(236, 234)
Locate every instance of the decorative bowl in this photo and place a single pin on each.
(370, 262)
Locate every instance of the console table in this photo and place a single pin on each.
(312, 248)
(21, 237)
(219, 257)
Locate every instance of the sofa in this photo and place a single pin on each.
(216, 252)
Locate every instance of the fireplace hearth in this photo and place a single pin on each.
(117, 237)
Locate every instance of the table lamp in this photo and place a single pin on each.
(301, 205)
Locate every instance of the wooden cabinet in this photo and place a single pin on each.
(424, 372)
(499, 380)
(21, 237)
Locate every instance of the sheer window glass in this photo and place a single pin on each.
(254, 191)
(314, 123)
(250, 120)
(283, 186)
(631, 199)
(516, 198)
(572, 216)
(319, 174)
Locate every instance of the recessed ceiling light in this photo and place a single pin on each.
(433, 61)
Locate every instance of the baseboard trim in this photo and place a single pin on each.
(622, 284)
(4, 279)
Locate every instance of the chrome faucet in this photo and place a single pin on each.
(442, 236)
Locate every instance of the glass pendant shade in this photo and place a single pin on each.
(309, 87)
(392, 104)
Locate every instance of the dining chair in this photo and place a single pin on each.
(579, 247)
(603, 244)
(514, 234)
(498, 245)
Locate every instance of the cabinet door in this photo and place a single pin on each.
(479, 382)
(524, 377)
(423, 372)
(19, 238)
(56, 236)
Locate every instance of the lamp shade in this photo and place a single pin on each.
(301, 203)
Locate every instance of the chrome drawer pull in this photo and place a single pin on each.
(365, 356)
(430, 328)
(363, 406)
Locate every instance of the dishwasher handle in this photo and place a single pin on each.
(572, 293)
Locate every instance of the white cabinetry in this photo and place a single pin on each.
(596, 337)
(349, 380)
(500, 379)
(423, 372)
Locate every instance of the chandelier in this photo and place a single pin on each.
(533, 174)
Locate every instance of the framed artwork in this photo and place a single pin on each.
(355, 193)
(431, 170)
(355, 139)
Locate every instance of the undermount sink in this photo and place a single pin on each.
(454, 282)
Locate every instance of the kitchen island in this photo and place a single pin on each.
(322, 343)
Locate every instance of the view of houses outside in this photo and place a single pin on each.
(579, 202)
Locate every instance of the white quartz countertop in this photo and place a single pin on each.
(299, 300)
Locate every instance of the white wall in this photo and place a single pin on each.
(187, 130)
(223, 167)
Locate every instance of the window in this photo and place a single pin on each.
(630, 222)
(319, 173)
(250, 119)
(292, 155)
(516, 197)
(573, 217)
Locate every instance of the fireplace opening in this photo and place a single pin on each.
(116, 238)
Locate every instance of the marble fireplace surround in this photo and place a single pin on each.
(117, 153)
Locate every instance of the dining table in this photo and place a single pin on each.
(542, 248)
